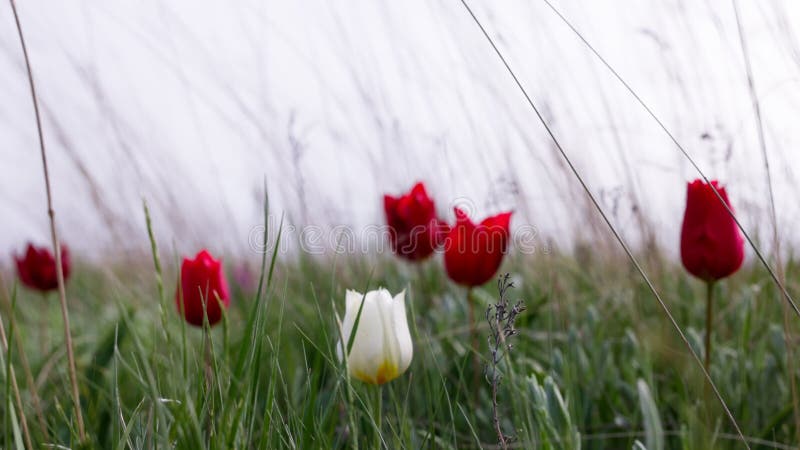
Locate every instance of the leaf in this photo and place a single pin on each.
(653, 431)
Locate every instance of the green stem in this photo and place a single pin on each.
(379, 418)
(43, 324)
(350, 407)
(208, 375)
(207, 359)
(473, 332)
(709, 322)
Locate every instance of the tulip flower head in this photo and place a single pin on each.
(473, 252)
(712, 246)
(37, 267)
(382, 347)
(414, 230)
(202, 287)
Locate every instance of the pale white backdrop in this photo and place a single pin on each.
(193, 104)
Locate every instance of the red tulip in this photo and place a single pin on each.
(414, 230)
(711, 244)
(37, 268)
(202, 278)
(473, 253)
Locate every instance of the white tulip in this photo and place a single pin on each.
(382, 348)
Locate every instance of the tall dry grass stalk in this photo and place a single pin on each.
(612, 228)
(776, 242)
(62, 294)
(682, 151)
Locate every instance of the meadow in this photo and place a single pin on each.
(594, 365)
(592, 335)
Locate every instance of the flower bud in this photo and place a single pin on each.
(712, 246)
(382, 347)
(202, 287)
(37, 268)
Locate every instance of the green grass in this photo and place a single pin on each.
(596, 364)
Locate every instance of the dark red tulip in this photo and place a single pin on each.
(711, 244)
(414, 230)
(202, 282)
(473, 252)
(37, 268)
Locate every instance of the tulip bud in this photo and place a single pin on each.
(382, 347)
(203, 287)
(414, 230)
(473, 252)
(712, 246)
(37, 268)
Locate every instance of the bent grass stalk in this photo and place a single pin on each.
(156, 259)
(160, 414)
(10, 419)
(787, 333)
(9, 369)
(26, 367)
(351, 417)
(346, 348)
(782, 286)
(613, 229)
(62, 294)
(345, 357)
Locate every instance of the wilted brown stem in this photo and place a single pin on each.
(787, 332)
(62, 294)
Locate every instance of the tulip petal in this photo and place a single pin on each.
(462, 218)
(353, 301)
(202, 290)
(402, 332)
(381, 348)
(37, 267)
(367, 353)
(473, 253)
(411, 220)
(712, 246)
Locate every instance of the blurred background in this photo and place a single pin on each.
(192, 105)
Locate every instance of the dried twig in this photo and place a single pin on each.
(617, 236)
(62, 294)
(501, 317)
(787, 330)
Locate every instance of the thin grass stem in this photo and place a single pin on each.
(787, 334)
(14, 386)
(62, 294)
(682, 150)
(473, 336)
(610, 225)
(709, 323)
(26, 367)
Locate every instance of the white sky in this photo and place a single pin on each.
(191, 104)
